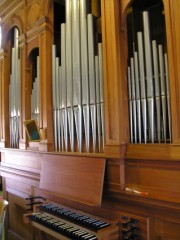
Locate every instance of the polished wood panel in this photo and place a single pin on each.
(164, 230)
(172, 17)
(77, 178)
(16, 231)
(115, 87)
(159, 180)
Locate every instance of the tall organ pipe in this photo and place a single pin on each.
(77, 86)
(84, 72)
(149, 74)
(63, 86)
(69, 72)
(80, 83)
(142, 84)
(92, 78)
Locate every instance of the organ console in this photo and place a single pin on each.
(67, 223)
(67, 204)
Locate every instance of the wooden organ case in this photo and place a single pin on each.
(90, 160)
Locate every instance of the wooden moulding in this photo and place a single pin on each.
(21, 160)
(164, 152)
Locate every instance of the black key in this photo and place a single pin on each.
(82, 218)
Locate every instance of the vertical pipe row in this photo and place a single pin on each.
(149, 94)
(81, 117)
(14, 94)
(35, 94)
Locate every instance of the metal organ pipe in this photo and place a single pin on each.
(133, 100)
(63, 89)
(101, 92)
(157, 90)
(92, 78)
(142, 85)
(54, 94)
(84, 72)
(14, 94)
(168, 96)
(138, 103)
(69, 72)
(149, 95)
(77, 83)
(149, 75)
(35, 95)
(163, 92)
(130, 104)
(78, 90)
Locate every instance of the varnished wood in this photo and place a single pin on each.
(172, 17)
(115, 87)
(80, 178)
(152, 168)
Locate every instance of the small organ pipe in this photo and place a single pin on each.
(168, 96)
(133, 100)
(130, 105)
(157, 90)
(138, 102)
(101, 91)
(163, 92)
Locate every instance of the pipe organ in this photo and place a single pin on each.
(77, 79)
(148, 84)
(14, 93)
(105, 90)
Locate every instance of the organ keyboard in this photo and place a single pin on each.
(66, 223)
(73, 186)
